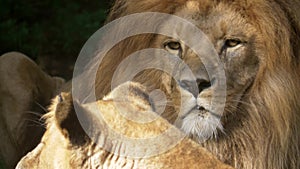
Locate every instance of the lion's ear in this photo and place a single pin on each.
(67, 121)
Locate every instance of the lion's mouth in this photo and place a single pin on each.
(201, 112)
(206, 112)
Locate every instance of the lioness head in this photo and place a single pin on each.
(66, 145)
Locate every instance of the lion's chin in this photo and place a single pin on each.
(201, 125)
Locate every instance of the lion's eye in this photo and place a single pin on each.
(230, 43)
(173, 45)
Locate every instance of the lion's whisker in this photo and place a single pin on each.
(42, 107)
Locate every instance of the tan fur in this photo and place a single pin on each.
(25, 91)
(56, 150)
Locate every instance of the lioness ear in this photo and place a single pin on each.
(67, 121)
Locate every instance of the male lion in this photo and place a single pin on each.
(258, 43)
(66, 145)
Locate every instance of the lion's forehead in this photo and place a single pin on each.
(216, 19)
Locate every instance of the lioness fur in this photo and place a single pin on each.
(66, 145)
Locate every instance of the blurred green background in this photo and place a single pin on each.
(51, 32)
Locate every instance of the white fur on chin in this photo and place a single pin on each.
(202, 127)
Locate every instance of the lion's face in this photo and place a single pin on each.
(235, 41)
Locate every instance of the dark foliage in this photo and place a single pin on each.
(51, 32)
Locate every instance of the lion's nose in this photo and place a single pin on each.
(195, 87)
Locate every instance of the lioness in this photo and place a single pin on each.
(66, 145)
(26, 91)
